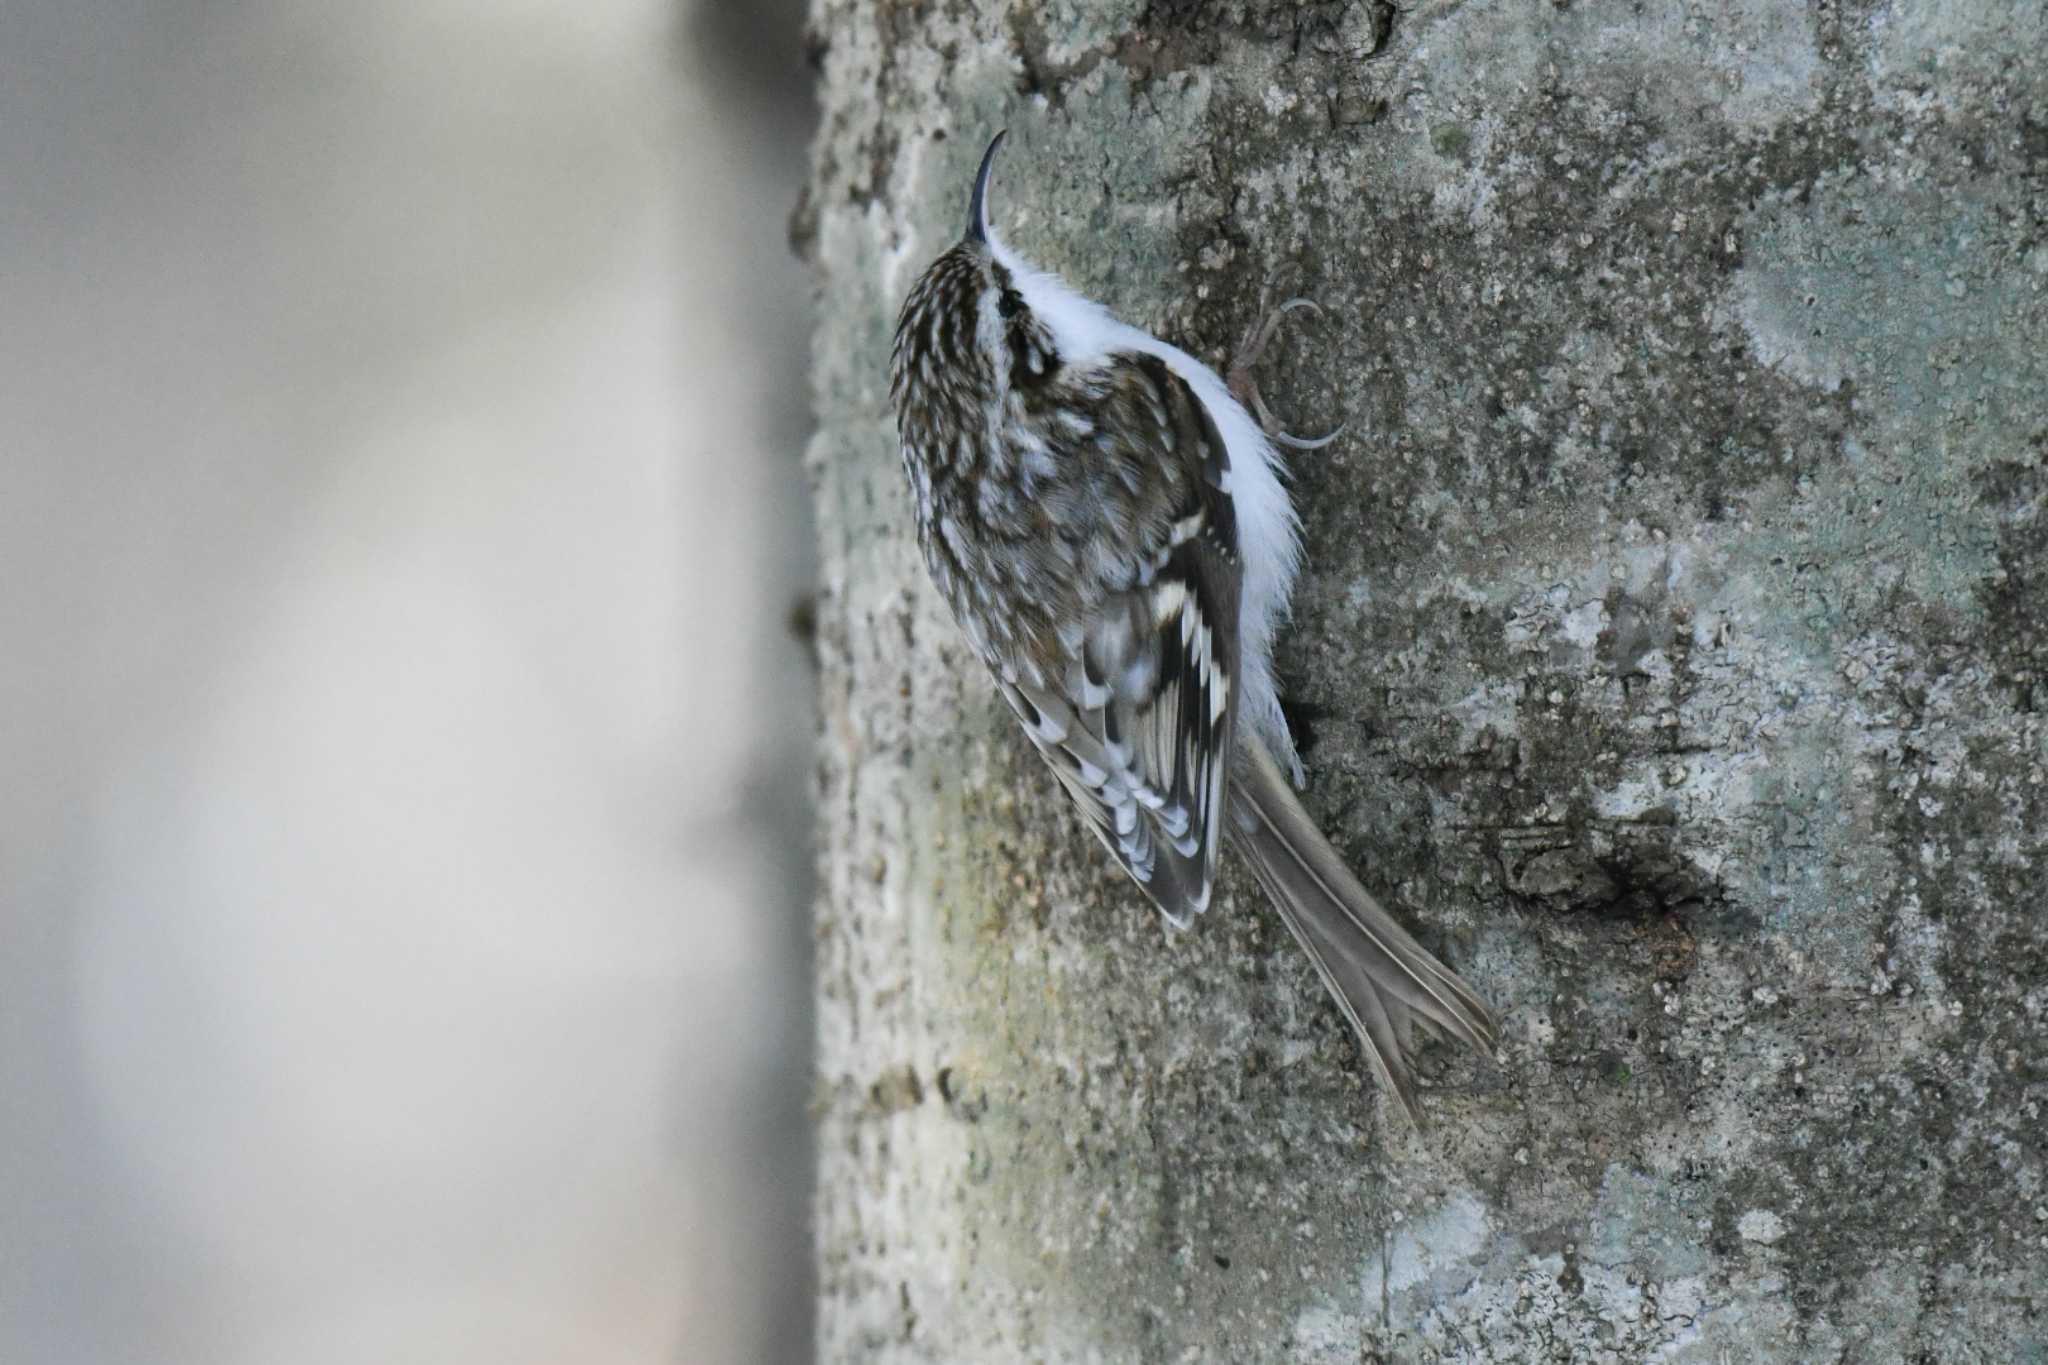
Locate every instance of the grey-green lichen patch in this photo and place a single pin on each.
(1671, 650)
(1744, 64)
(1922, 56)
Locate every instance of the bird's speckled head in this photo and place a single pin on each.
(965, 340)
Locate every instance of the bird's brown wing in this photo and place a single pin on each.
(1136, 718)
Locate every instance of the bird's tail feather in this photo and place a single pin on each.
(1379, 975)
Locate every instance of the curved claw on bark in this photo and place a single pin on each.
(1247, 389)
(1306, 442)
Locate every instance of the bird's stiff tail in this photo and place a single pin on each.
(1380, 976)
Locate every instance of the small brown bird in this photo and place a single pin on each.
(1110, 529)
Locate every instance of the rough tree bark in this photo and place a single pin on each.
(1673, 649)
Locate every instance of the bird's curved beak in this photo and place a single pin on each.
(977, 207)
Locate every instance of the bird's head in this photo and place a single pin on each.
(966, 333)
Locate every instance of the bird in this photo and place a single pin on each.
(1112, 532)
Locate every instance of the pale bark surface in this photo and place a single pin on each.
(1673, 650)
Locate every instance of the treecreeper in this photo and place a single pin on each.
(1110, 527)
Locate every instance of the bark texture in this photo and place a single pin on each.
(1673, 651)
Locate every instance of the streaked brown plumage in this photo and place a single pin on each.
(1108, 526)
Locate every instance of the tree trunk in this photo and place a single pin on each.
(1673, 652)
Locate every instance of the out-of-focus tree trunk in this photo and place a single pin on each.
(1673, 649)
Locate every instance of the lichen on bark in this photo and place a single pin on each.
(1671, 649)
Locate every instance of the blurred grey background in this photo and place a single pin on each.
(403, 844)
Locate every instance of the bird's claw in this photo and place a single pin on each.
(1246, 389)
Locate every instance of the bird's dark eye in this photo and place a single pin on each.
(1011, 304)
